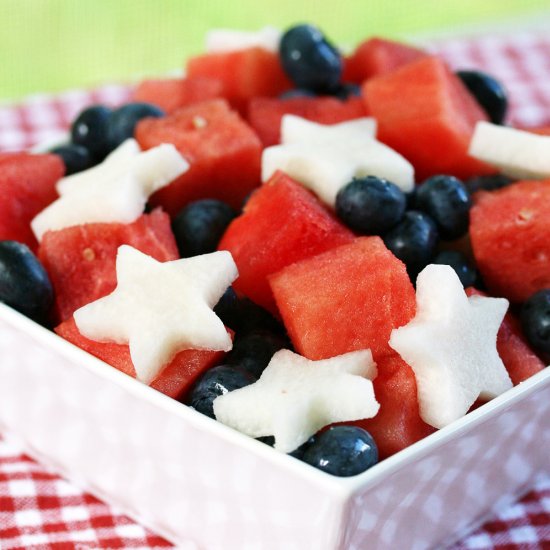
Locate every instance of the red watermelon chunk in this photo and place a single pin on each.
(81, 260)
(265, 114)
(244, 74)
(510, 235)
(520, 360)
(173, 93)
(27, 186)
(425, 113)
(223, 151)
(282, 223)
(377, 56)
(397, 424)
(174, 380)
(347, 299)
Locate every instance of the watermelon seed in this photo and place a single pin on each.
(524, 216)
(199, 122)
(88, 254)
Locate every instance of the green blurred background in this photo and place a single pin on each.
(50, 45)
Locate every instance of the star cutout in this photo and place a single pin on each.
(229, 40)
(451, 346)
(161, 308)
(326, 163)
(295, 129)
(517, 153)
(115, 191)
(295, 397)
(113, 167)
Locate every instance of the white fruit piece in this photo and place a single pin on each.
(295, 397)
(518, 154)
(161, 308)
(113, 166)
(113, 192)
(451, 346)
(325, 167)
(228, 40)
(295, 129)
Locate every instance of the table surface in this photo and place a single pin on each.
(42, 511)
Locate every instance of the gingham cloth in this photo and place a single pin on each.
(39, 510)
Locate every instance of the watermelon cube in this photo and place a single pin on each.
(397, 424)
(510, 235)
(265, 114)
(81, 260)
(223, 151)
(27, 186)
(282, 223)
(346, 299)
(174, 380)
(520, 360)
(425, 113)
(378, 56)
(173, 93)
(244, 74)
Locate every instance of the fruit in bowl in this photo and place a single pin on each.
(327, 249)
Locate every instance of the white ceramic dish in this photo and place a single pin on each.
(194, 480)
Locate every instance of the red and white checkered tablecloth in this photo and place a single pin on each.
(39, 510)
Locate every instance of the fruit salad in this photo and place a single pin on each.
(335, 255)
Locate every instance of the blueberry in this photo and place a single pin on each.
(413, 241)
(342, 451)
(347, 90)
(90, 129)
(75, 157)
(242, 315)
(488, 92)
(410, 199)
(299, 452)
(199, 226)
(447, 201)
(466, 273)
(487, 183)
(267, 440)
(24, 283)
(370, 205)
(255, 317)
(535, 320)
(215, 382)
(309, 60)
(227, 308)
(297, 92)
(253, 350)
(124, 120)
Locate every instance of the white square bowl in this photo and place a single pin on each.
(194, 480)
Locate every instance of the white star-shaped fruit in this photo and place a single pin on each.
(295, 129)
(451, 346)
(295, 397)
(161, 308)
(229, 40)
(518, 154)
(114, 191)
(341, 152)
(113, 166)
